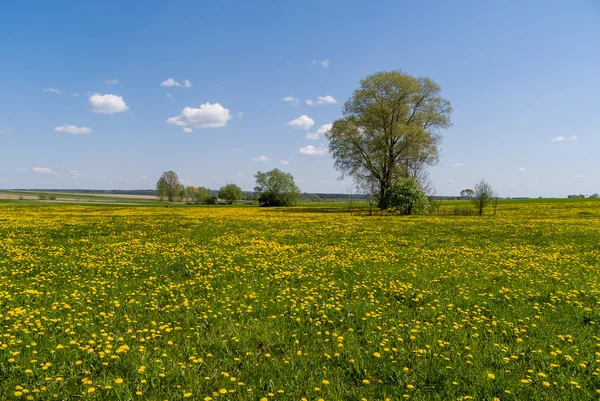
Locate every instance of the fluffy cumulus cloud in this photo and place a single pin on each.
(72, 129)
(291, 99)
(187, 130)
(53, 90)
(312, 151)
(111, 81)
(284, 162)
(327, 99)
(206, 116)
(302, 122)
(5, 131)
(171, 82)
(324, 129)
(321, 131)
(261, 159)
(44, 170)
(107, 104)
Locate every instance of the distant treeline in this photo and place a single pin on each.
(247, 194)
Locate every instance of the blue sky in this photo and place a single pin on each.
(523, 79)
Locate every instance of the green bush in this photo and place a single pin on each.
(405, 196)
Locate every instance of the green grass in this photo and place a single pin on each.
(310, 302)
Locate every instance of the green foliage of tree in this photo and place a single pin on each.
(231, 193)
(483, 195)
(390, 129)
(201, 194)
(467, 193)
(210, 200)
(168, 186)
(276, 188)
(162, 189)
(405, 196)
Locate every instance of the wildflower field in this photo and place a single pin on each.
(244, 303)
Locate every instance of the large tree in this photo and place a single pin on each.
(168, 186)
(390, 129)
(276, 188)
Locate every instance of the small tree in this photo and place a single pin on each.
(169, 185)
(483, 194)
(201, 194)
(190, 193)
(276, 188)
(162, 190)
(405, 196)
(467, 193)
(230, 193)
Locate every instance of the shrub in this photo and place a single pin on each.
(405, 196)
(210, 200)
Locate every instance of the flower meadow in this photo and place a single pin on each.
(243, 303)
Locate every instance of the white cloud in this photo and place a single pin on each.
(187, 129)
(21, 170)
(75, 94)
(579, 176)
(312, 151)
(309, 102)
(75, 173)
(520, 170)
(324, 63)
(168, 96)
(101, 178)
(44, 170)
(111, 81)
(285, 162)
(324, 128)
(457, 165)
(311, 136)
(107, 104)
(562, 138)
(236, 149)
(302, 122)
(53, 90)
(5, 131)
(206, 116)
(261, 159)
(171, 82)
(71, 129)
(327, 99)
(291, 99)
(144, 177)
(240, 114)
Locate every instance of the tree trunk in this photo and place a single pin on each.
(382, 198)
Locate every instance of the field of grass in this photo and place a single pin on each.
(204, 303)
